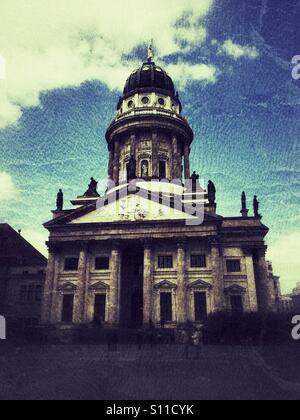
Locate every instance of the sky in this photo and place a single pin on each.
(63, 65)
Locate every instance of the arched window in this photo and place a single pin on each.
(145, 169)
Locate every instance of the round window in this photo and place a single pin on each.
(161, 102)
(145, 100)
(130, 104)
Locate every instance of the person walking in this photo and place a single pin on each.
(140, 340)
(197, 340)
(186, 342)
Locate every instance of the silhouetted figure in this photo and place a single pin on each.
(140, 340)
(131, 169)
(92, 189)
(112, 341)
(195, 181)
(244, 210)
(256, 206)
(60, 201)
(152, 339)
(211, 190)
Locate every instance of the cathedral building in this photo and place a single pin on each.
(152, 250)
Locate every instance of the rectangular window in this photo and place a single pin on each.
(162, 169)
(23, 294)
(165, 261)
(237, 306)
(166, 307)
(200, 301)
(99, 309)
(30, 294)
(71, 264)
(233, 266)
(38, 293)
(67, 309)
(102, 263)
(198, 261)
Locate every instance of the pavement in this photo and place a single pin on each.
(33, 372)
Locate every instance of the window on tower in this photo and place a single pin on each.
(145, 169)
(162, 169)
(233, 266)
(198, 261)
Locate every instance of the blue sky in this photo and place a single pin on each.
(66, 63)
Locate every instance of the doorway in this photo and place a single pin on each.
(132, 284)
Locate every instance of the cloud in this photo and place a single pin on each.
(237, 51)
(184, 72)
(7, 188)
(63, 43)
(284, 253)
(36, 239)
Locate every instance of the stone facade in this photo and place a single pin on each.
(135, 261)
(22, 277)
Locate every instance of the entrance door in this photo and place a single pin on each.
(132, 283)
(99, 310)
(137, 310)
(67, 309)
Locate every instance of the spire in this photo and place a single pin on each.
(150, 52)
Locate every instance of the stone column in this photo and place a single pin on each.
(114, 293)
(111, 163)
(148, 284)
(218, 289)
(187, 170)
(49, 283)
(263, 284)
(132, 143)
(155, 158)
(175, 160)
(116, 165)
(253, 306)
(181, 284)
(79, 304)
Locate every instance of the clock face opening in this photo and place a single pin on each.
(145, 100)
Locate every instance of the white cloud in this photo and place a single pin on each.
(184, 72)
(36, 239)
(7, 188)
(284, 254)
(237, 51)
(63, 43)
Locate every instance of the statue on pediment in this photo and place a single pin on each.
(92, 189)
(211, 190)
(60, 200)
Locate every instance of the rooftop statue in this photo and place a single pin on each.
(60, 201)
(211, 190)
(92, 189)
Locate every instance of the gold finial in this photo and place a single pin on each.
(150, 52)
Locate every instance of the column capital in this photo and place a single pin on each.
(181, 242)
(260, 252)
(84, 245)
(116, 244)
(148, 243)
(214, 241)
(53, 247)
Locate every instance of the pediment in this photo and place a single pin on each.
(165, 285)
(99, 286)
(67, 287)
(132, 208)
(235, 289)
(200, 284)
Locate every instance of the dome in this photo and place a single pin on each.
(149, 76)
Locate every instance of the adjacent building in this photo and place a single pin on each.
(154, 249)
(22, 277)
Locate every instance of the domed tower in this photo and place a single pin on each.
(149, 129)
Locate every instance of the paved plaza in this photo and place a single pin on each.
(91, 372)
